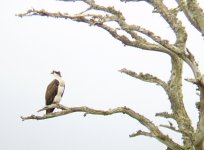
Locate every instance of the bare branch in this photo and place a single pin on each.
(151, 35)
(199, 138)
(91, 19)
(85, 10)
(165, 115)
(194, 81)
(99, 20)
(117, 16)
(171, 19)
(124, 110)
(137, 41)
(140, 132)
(145, 77)
(171, 128)
(130, 28)
(194, 13)
(175, 95)
(189, 58)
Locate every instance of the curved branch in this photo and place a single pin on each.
(131, 28)
(189, 58)
(145, 77)
(116, 16)
(156, 133)
(136, 41)
(99, 20)
(165, 43)
(171, 19)
(139, 42)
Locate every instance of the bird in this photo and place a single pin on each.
(55, 91)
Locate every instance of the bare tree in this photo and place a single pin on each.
(136, 36)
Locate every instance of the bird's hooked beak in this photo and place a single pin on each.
(56, 72)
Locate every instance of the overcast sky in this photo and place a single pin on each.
(89, 60)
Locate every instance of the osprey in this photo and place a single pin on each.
(54, 91)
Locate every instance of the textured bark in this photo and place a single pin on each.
(177, 51)
(177, 106)
(194, 13)
(199, 139)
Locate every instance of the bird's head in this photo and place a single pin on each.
(56, 73)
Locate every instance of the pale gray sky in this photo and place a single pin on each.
(88, 59)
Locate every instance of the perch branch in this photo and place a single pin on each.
(124, 110)
(58, 106)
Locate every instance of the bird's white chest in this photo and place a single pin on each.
(60, 91)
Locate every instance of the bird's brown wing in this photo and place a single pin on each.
(52, 89)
